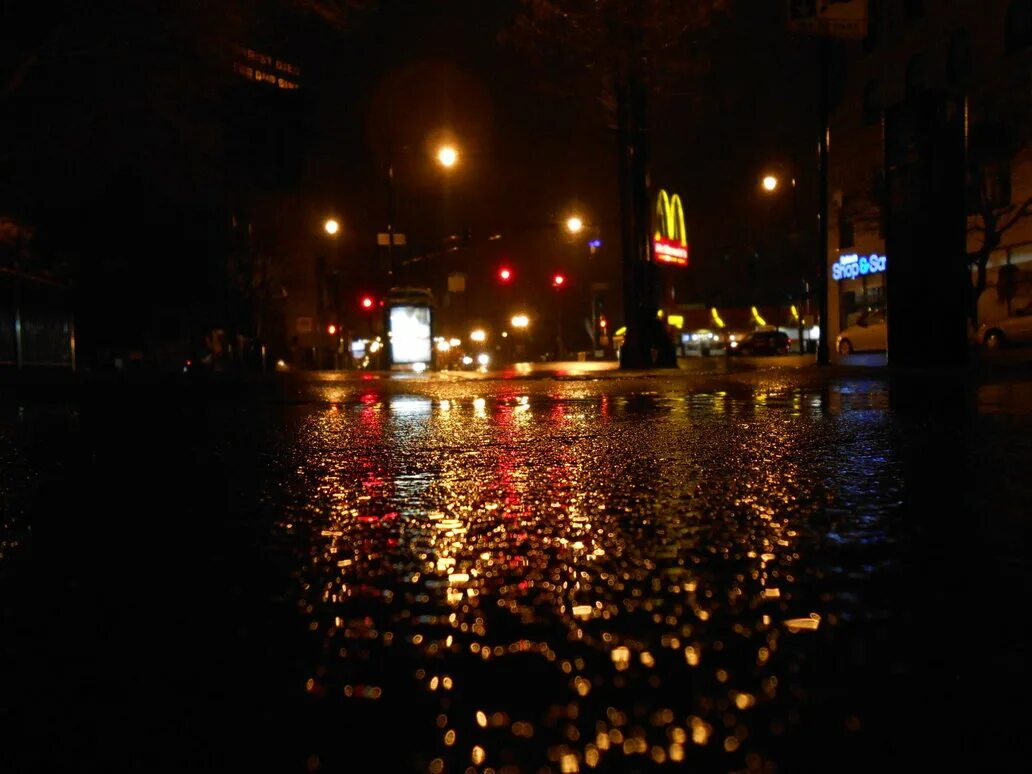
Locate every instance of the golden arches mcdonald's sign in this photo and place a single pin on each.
(670, 243)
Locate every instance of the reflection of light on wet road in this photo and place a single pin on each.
(552, 566)
(751, 570)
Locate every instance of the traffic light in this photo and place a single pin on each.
(367, 302)
(331, 329)
(505, 274)
(558, 280)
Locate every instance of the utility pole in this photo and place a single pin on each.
(823, 140)
(390, 224)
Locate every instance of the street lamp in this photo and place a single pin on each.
(478, 336)
(519, 321)
(770, 183)
(574, 224)
(558, 282)
(331, 226)
(447, 156)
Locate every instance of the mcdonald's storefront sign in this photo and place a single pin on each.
(670, 243)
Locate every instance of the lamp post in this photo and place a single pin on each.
(577, 227)
(558, 283)
(329, 290)
(770, 183)
(519, 322)
(447, 156)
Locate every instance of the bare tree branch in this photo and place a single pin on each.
(1020, 213)
(334, 12)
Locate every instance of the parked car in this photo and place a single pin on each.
(868, 334)
(761, 343)
(1016, 329)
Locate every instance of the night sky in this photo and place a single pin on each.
(122, 132)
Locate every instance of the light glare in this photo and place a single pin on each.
(447, 156)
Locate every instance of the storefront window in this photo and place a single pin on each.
(863, 297)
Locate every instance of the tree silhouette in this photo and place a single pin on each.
(618, 51)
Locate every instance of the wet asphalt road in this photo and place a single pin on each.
(773, 570)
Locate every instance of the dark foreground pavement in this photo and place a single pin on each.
(771, 569)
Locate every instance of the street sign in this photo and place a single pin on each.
(834, 18)
(381, 239)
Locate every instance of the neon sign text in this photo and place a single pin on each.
(852, 266)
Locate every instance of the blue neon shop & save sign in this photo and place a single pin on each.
(852, 266)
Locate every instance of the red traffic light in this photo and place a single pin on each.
(602, 323)
(558, 280)
(367, 302)
(331, 329)
(505, 274)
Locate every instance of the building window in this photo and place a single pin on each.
(1019, 24)
(913, 10)
(916, 78)
(873, 26)
(872, 102)
(958, 62)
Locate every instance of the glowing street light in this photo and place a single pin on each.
(331, 226)
(478, 335)
(447, 156)
(770, 183)
(574, 224)
(520, 321)
(331, 329)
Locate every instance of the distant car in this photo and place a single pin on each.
(1016, 329)
(761, 343)
(868, 334)
(702, 341)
